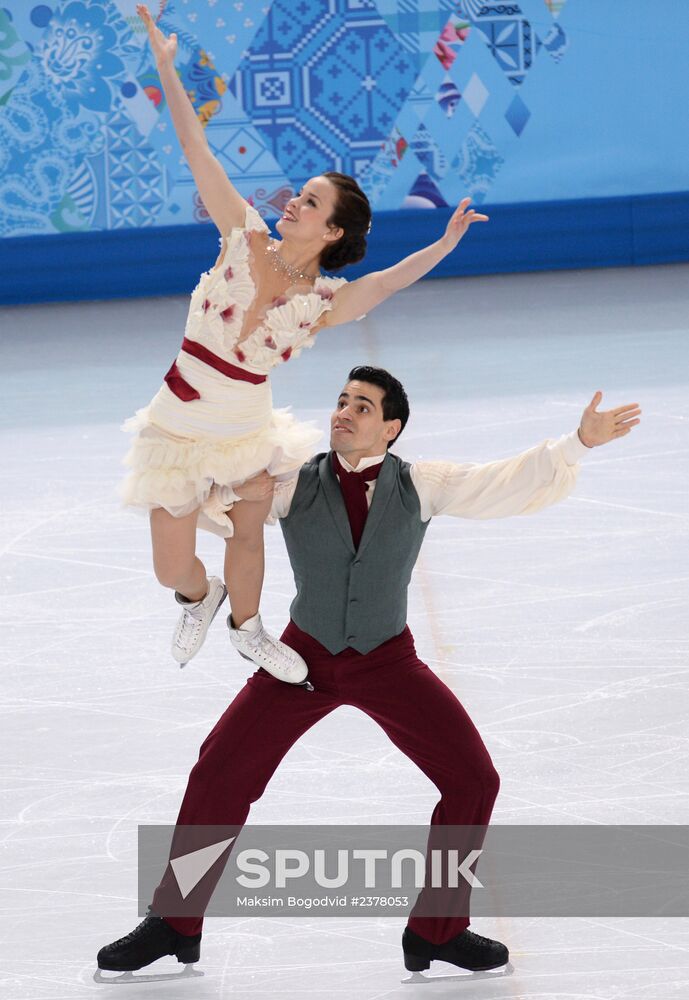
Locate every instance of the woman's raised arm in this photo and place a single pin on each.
(360, 296)
(223, 202)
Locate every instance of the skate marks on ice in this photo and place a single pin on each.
(419, 978)
(87, 679)
(189, 972)
(121, 978)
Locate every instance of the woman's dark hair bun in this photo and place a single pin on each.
(352, 213)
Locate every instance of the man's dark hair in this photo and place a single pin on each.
(395, 402)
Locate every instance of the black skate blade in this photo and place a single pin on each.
(121, 978)
(418, 978)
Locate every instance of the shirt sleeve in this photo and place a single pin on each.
(282, 498)
(524, 484)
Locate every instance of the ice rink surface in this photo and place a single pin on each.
(563, 633)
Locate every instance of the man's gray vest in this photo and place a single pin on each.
(348, 597)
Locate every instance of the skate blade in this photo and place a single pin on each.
(418, 978)
(305, 683)
(189, 972)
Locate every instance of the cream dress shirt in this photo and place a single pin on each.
(524, 484)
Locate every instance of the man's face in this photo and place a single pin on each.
(357, 424)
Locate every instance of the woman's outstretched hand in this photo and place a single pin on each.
(164, 48)
(459, 223)
(599, 428)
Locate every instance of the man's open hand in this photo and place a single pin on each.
(257, 488)
(599, 428)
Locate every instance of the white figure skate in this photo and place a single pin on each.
(195, 620)
(253, 643)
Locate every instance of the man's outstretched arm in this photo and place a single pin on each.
(525, 483)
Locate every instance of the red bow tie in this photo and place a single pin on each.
(354, 486)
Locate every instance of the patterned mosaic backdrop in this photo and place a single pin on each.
(423, 101)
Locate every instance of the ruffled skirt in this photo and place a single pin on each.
(181, 473)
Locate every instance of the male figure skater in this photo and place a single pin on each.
(353, 520)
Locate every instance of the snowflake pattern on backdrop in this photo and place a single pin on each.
(283, 92)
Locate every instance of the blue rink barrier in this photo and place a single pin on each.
(537, 236)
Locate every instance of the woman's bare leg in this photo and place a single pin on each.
(174, 554)
(244, 558)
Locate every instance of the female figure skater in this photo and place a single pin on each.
(211, 424)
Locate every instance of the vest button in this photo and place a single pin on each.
(352, 600)
(351, 638)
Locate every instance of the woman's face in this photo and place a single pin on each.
(307, 212)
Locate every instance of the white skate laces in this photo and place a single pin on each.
(253, 643)
(194, 622)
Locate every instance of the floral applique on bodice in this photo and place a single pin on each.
(225, 295)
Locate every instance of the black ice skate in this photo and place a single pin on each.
(480, 956)
(151, 940)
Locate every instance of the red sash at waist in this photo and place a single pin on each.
(225, 367)
(181, 388)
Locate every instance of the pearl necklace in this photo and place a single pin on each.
(293, 272)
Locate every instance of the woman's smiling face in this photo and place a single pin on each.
(307, 212)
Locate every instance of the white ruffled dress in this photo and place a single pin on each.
(189, 453)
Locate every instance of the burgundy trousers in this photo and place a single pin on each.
(417, 711)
